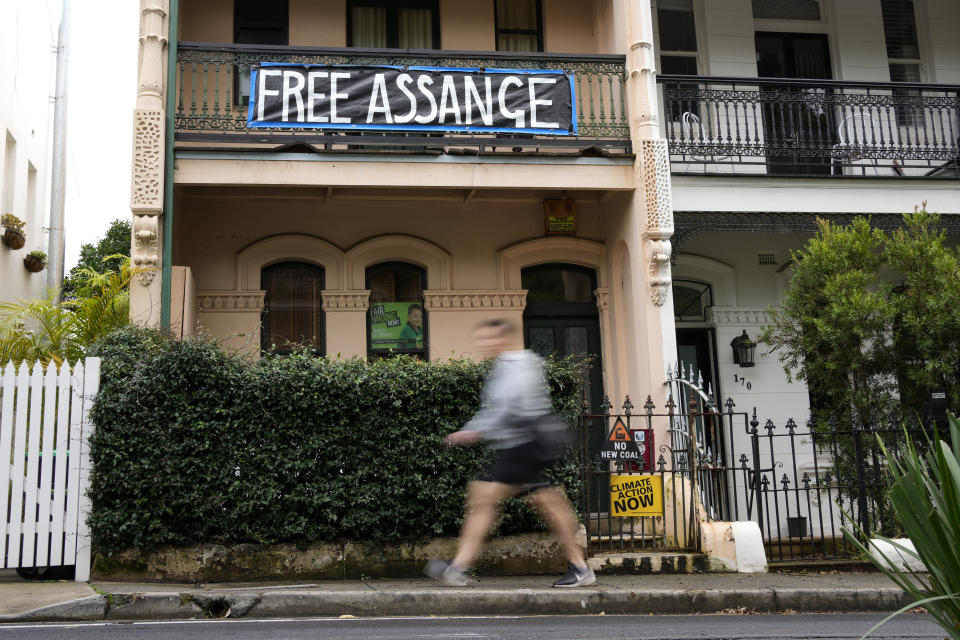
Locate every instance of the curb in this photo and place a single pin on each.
(452, 602)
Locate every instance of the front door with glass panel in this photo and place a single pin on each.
(561, 319)
(798, 124)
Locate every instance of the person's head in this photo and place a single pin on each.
(415, 316)
(493, 337)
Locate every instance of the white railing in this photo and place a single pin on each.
(44, 465)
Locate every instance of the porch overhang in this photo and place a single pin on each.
(225, 168)
(814, 195)
(689, 223)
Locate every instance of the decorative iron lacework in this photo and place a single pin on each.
(689, 223)
(209, 100)
(816, 127)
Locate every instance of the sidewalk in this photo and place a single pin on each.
(22, 601)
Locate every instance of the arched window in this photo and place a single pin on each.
(397, 321)
(293, 307)
(691, 299)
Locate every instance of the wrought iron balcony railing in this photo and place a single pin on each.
(773, 126)
(213, 86)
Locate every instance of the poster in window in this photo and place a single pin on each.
(396, 326)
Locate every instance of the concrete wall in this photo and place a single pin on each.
(27, 66)
(728, 30)
(942, 29)
(857, 45)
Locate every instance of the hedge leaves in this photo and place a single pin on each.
(197, 445)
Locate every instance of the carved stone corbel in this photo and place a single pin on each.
(146, 255)
(655, 166)
(659, 275)
(602, 294)
(146, 188)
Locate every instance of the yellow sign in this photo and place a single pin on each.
(636, 496)
(560, 216)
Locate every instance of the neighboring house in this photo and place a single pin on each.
(27, 64)
(673, 207)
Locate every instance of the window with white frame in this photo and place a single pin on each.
(677, 28)
(678, 36)
(903, 55)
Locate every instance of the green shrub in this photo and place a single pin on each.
(194, 444)
(925, 495)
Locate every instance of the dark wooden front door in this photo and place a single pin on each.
(561, 319)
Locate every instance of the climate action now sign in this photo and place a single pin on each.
(411, 98)
(633, 496)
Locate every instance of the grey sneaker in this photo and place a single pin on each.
(575, 577)
(448, 574)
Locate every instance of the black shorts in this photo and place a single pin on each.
(517, 466)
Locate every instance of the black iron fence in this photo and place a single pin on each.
(777, 126)
(801, 484)
(213, 92)
(805, 484)
(670, 465)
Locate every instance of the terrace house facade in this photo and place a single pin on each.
(650, 223)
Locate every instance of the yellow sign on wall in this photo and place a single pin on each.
(636, 496)
(560, 216)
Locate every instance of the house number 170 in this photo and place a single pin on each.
(743, 381)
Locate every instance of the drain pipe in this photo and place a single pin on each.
(167, 244)
(58, 168)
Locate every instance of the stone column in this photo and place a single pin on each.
(146, 191)
(651, 217)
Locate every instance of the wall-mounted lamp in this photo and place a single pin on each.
(744, 350)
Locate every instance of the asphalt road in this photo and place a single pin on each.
(714, 627)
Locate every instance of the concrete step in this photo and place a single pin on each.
(649, 562)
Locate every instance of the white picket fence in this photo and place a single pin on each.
(44, 465)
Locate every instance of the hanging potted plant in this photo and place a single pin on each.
(13, 235)
(35, 261)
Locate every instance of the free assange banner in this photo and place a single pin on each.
(411, 98)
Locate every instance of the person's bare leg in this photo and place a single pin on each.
(483, 499)
(554, 507)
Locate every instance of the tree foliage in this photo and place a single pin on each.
(107, 254)
(871, 319)
(47, 331)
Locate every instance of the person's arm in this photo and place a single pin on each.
(496, 408)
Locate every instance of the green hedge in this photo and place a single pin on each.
(196, 445)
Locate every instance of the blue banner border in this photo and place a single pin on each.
(251, 123)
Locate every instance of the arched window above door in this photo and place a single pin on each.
(293, 307)
(691, 299)
(552, 283)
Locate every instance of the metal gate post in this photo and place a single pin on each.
(864, 516)
(754, 433)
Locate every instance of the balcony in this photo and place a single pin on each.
(213, 90)
(814, 128)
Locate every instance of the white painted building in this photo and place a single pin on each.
(754, 162)
(28, 32)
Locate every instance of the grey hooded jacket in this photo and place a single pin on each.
(515, 391)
